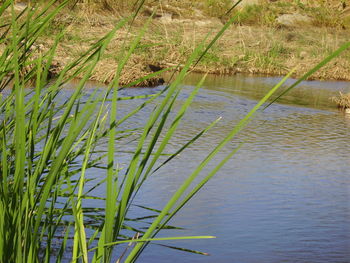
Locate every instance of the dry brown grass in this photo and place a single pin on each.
(243, 49)
(325, 12)
(253, 48)
(342, 101)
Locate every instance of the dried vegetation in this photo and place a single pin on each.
(343, 101)
(256, 44)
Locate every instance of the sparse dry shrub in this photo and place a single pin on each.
(342, 100)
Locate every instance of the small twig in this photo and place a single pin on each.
(131, 244)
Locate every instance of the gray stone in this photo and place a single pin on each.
(246, 3)
(20, 6)
(293, 20)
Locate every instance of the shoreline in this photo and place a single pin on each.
(126, 80)
(252, 45)
(227, 57)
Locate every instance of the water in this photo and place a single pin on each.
(284, 197)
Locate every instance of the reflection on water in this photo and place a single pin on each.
(310, 93)
(284, 197)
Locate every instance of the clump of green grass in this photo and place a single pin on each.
(268, 59)
(256, 14)
(216, 8)
(47, 147)
(325, 17)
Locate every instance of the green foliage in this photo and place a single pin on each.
(47, 146)
(249, 14)
(323, 16)
(278, 50)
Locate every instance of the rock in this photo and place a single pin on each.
(54, 69)
(290, 36)
(245, 3)
(293, 20)
(166, 14)
(154, 68)
(20, 6)
(166, 17)
(149, 12)
(303, 54)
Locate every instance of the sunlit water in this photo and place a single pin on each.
(284, 197)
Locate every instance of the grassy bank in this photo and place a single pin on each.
(260, 42)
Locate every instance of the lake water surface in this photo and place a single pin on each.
(284, 197)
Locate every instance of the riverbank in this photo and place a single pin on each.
(266, 39)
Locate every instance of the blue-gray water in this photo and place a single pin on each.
(284, 197)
